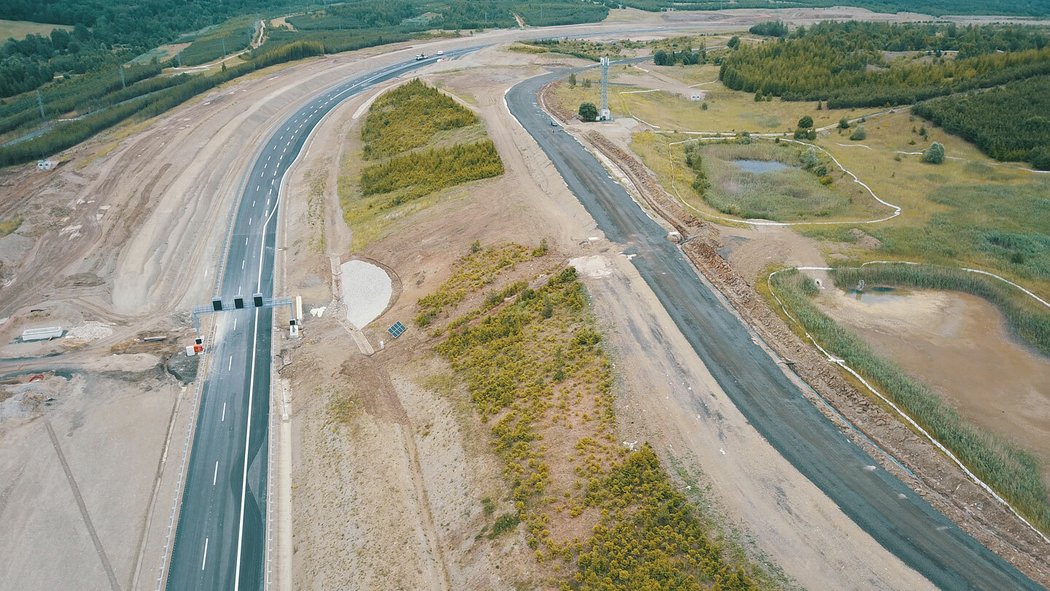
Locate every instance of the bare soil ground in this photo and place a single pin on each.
(960, 346)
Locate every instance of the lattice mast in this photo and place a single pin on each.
(604, 114)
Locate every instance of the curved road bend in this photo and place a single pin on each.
(220, 541)
(910, 528)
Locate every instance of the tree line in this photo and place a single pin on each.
(844, 64)
(1011, 122)
(934, 7)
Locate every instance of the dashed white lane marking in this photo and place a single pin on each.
(234, 324)
(253, 203)
(242, 265)
(229, 365)
(215, 475)
(205, 561)
(246, 241)
(223, 419)
(249, 221)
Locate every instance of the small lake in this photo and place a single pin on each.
(759, 166)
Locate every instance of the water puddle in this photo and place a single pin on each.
(759, 166)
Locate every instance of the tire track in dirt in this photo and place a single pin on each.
(383, 403)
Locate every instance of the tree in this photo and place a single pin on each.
(805, 122)
(660, 58)
(1040, 158)
(734, 42)
(588, 112)
(572, 80)
(934, 154)
(843, 123)
(859, 134)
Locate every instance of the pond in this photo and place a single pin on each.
(759, 166)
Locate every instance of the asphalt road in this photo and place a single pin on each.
(907, 526)
(220, 540)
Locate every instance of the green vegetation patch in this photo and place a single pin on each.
(1012, 472)
(408, 117)
(1011, 122)
(775, 181)
(533, 364)
(419, 173)
(846, 65)
(418, 141)
(9, 225)
(996, 226)
(471, 274)
(228, 38)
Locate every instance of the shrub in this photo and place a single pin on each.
(859, 134)
(588, 112)
(934, 154)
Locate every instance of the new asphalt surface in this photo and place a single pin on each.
(220, 540)
(877, 501)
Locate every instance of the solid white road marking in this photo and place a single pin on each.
(247, 438)
(205, 561)
(223, 419)
(215, 475)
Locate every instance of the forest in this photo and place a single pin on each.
(845, 64)
(1011, 122)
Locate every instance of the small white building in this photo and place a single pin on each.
(44, 165)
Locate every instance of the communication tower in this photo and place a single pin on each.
(604, 114)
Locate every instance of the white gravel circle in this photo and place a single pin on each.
(366, 292)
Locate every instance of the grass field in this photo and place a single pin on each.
(789, 195)
(968, 211)
(727, 110)
(415, 142)
(19, 29)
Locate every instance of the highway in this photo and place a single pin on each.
(220, 539)
(878, 502)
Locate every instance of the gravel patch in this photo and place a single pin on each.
(366, 292)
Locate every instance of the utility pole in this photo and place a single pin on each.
(224, 48)
(40, 103)
(123, 83)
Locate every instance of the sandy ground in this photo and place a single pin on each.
(78, 468)
(125, 233)
(960, 346)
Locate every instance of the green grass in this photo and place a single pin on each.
(19, 29)
(409, 117)
(420, 173)
(417, 141)
(1012, 472)
(995, 226)
(236, 33)
(9, 225)
(789, 194)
